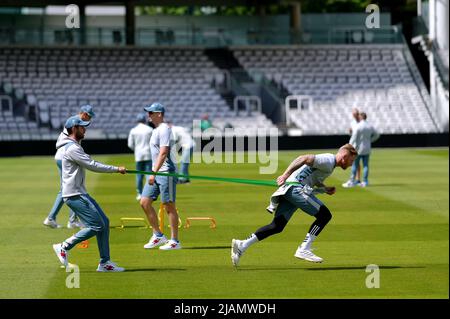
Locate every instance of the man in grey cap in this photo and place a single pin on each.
(139, 142)
(161, 146)
(75, 195)
(86, 114)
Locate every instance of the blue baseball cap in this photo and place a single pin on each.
(141, 118)
(88, 109)
(75, 121)
(155, 107)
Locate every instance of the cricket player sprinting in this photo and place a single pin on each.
(86, 114)
(74, 193)
(309, 171)
(161, 145)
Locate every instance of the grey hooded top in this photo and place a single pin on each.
(74, 163)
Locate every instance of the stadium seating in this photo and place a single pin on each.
(376, 79)
(53, 82)
(118, 82)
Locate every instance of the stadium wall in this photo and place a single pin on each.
(309, 21)
(29, 148)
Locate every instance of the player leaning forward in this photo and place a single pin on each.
(309, 171)
(74, 194)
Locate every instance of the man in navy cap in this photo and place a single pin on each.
(86, 114)
(139, 142)
(75, 195)
(161, 147)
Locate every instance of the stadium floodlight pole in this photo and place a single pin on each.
(213, 178)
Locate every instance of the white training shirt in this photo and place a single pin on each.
(363, 137)
(162, 136)
(314, 175)
(353, 124)
(182, 137)
(139, 142)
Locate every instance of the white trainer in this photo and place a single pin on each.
(349, 184)
(109, 266)
(236, 251)
(51, 223)
(306, 254)
(155, 241)
(364, 184)
(171, 245)
(75, 224)
(62, 254)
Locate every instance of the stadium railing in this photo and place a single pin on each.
(205, 37)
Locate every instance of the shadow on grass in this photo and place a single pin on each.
(143, 270)
(209, 247)
(361, 267)
(153, 269)
(386, 185)
(329, 268)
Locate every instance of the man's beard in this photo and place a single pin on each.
(79, 136)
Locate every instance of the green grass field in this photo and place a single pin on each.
(399, 223)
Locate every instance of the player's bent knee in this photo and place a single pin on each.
(169, 204)
(278, 224)
(96, 228)
(170, 207)
(145, 202)
(275, 227)
(324, 214)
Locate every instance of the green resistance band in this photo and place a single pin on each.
(212, 178)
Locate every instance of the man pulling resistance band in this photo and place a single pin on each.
(310, 171)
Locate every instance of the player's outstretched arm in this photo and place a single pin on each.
(77, 155)
(322, 188)
(296, 164)
(330, 190)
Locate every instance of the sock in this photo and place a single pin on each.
(158, 234)
(175, 240)
(249, 241)
(308, 241)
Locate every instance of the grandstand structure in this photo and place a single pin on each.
(303, 83)
(54, 82)
(381, 80)
(43, 86)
